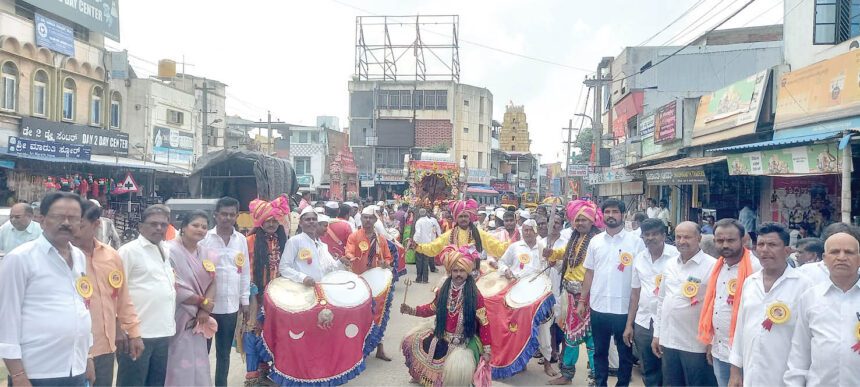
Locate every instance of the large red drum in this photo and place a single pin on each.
(316, 335)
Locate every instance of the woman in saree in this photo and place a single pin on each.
(187, 356)
(265, 244)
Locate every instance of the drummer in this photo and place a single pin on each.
(366, 249)
(465, 234)
(529, 257)
(306, 259)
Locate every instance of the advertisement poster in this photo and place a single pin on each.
(803, 160)
(173, 147)
(733, 106)
(826, 90)
(664, 122)
(809, 203)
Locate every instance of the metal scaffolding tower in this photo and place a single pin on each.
(383, 42)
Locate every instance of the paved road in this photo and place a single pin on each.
(381, 373)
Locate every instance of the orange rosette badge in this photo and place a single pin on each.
(209, 267)
(363, 246)
(239, 260)
(624, 259)
(777, 313)
(306, 255)
(856, 346)
(524, 258)
(691, 290)
(658, 280)
(85, 289)
(731, 289)
(115, 281)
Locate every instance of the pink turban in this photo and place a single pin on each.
(585, 208)
(261, 210)
(463, 257)
(469, 206)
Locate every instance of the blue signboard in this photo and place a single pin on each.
(25, 146)
(54, 35)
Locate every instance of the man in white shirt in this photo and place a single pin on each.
(228, 249)
(525, 258)
(45, 336)
(554, 240)
(765, 324)
(652, 209)
(825, 345)
(151, 284)
(647, 274)
(426, 230)
(19, 229)
(636, 223)
(306, 259)
(663, 212)
(719, 309)
(748, 217)
(684, 284)
(606, 290)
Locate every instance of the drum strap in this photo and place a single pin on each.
(371, 252)
(334, 236)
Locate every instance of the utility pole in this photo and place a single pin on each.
(205, 110)
(569, 129)
(269, 126)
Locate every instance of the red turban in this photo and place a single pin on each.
(587, 209)
(464, 257)
(469, 206)
(261, 210)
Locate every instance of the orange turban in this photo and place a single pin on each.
(464, 257)
(261, 210)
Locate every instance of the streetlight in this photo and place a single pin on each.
(538, 177)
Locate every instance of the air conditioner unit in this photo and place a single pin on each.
(371, 141)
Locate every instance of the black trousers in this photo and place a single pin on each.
(76, 381)
(431, 261)
(652, 367)
(605, 326)
(682, 368)
(104, 370)
(223, 343)
(422, 267)
(149, 369)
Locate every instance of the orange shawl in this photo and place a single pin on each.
(706, 325)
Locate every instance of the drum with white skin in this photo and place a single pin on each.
(492, 283)
(306, 324)
(528, 290)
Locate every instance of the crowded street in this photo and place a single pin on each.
(434, 193)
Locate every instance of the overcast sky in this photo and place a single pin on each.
(295, 58)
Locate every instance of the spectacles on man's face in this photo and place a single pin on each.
(228, 214)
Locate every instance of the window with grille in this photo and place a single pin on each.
(835, 21)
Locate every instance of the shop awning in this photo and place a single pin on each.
(107, 160)
(685, 163)
(482, 190)
(782, 142)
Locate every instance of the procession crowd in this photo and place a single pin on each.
(725, 303)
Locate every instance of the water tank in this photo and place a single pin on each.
(167, 68)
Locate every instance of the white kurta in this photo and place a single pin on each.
(305, 257)
(762, 353)
(523, 260)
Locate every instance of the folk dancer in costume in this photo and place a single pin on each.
(586, 219)
(466, 233)
(265, 243)
(530, 257)
(366, 249)
(306, 259)
(447, 353)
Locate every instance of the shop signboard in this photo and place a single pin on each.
(649, 147)
(691, 176)
(100, 16)
(172, 147)
(646, 125)
(629, 106)
(367, 184)
(735, 107)
(605, 175)
(101, 141)
(500, 185)
(577, 170)
(305, 180)
(25, 146)
(664, 122)
(617, 154)
(54, 35)
(802, 160)
(478, 176)
(390, 175)
(823, 91)
(118, 64)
